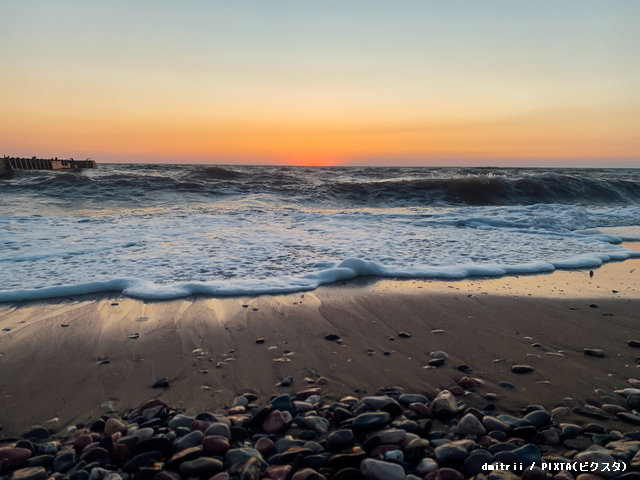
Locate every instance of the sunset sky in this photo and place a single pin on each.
(323, 82)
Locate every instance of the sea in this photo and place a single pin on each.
(168, 231)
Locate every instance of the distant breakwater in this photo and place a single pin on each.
(33, 163)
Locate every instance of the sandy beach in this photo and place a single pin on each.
(61, 360)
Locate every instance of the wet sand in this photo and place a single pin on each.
(49, 371)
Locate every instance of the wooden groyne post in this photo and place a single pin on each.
(33, 163)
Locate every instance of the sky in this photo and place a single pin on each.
(366, 82)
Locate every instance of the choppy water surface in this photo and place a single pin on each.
(160, 231)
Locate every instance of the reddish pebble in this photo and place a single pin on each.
(116, 436)
(200, 425)
(274, 422)
(307, 393)
(278, 472)
(470, 382)
(421, 409)
(215, 444)
(264, 445)
(112, 426)
(457, 391)
(81, 442)
(322, 381)
(14, 456)
(484, 441)
(151, 404)
(237, 410)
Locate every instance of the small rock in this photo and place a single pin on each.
(274, 422)
(14, 455)
(470, 425)
(161, 383)
(426, 465)
(34, 473)
(332, 337)
(377, 470)
(445, 403)
(264, 445)
(521, 369)
(112, 426)
(594, 352)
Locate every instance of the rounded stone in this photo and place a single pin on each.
(371, 421)
(112, 426)
(538, 418)
(201, 467)
(219, 429)
(470, 425)
(264, 445)
(34, 473)
(215, 444)
(521, 369)
(377, 470)
(426, 465)
(14, 456)
(478, 459)
(450, 453)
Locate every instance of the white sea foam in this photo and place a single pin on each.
(194, 249)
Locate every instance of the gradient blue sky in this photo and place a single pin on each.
(454, 82)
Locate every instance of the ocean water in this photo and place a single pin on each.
(168, 231)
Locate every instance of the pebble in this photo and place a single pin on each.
(311, 436)
(594, 352)
(445, 403)
(470, 425)
(161, 383)
(34, 473)
(371, 421)
(377, 470)
(521, 369)
(450, 453)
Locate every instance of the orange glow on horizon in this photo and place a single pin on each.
(564, 135)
